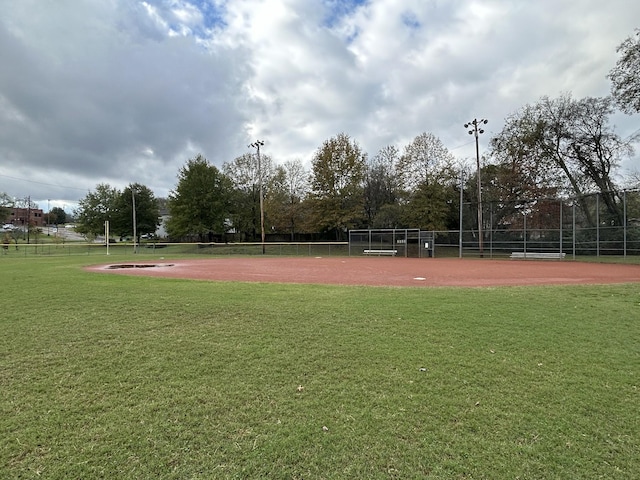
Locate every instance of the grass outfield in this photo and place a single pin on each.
(110, 376)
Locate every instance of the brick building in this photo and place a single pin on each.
(20, 217)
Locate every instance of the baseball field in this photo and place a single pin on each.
(318, 368)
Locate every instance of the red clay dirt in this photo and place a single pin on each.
(384, 271)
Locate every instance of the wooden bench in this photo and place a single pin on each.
(538, 255)
(381, 252)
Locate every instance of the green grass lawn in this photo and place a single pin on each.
(109, 376)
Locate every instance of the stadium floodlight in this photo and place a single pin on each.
(257, 144)
(474, 129)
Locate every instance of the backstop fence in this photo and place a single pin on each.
(593, 225)
(402, 242)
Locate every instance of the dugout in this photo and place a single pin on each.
(397, 242)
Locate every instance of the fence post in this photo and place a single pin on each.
(624, 223)
(460, 214)
(491, 229)
(574, 228)
(597, 225)
(525, 233)
(561, 228)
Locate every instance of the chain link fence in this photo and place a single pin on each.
(593, 225)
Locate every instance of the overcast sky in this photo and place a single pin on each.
(126, 91)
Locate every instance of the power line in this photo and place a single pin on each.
(633, 135)
(41, 183)
(463, 145)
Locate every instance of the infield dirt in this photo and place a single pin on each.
(384, 271)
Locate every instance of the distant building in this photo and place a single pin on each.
(161, 231)
(21, 217)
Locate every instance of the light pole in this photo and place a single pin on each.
(257, 144)
(474, 130)
(460, 214)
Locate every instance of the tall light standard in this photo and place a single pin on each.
(257, 144)
(460, 213)
(474, 130)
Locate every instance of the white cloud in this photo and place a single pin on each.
(127, 91)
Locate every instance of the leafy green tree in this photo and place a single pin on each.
(429, 207)
(245, 176)
(57, 216)
(96, 208)
(625, 81)
(424, 161)
(200, 203)
(427, 181)
(338, 170)
(147, 213)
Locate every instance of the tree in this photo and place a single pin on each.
(522, 171)
(6, 203)
(96, 208)
(381, 189)
(424, 161)
(25, 202)
(429, 207)
(147, 213)
(633, 180)
(200, 203)
(428, 181)
(243, 173)
(338, 169)
(625, 81)
(287, 188)
(565, 144)
(57, 216)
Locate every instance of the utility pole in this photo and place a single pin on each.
(135, 232)
(474, 130)
(106, 235)
(28, 217)
(257, 144)
(460, 213)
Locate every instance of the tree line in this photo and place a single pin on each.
(553, 148)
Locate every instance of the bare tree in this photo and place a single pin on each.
(625, 82)
(567, 143)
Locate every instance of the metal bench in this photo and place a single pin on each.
(381, 252)
(538, 255)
